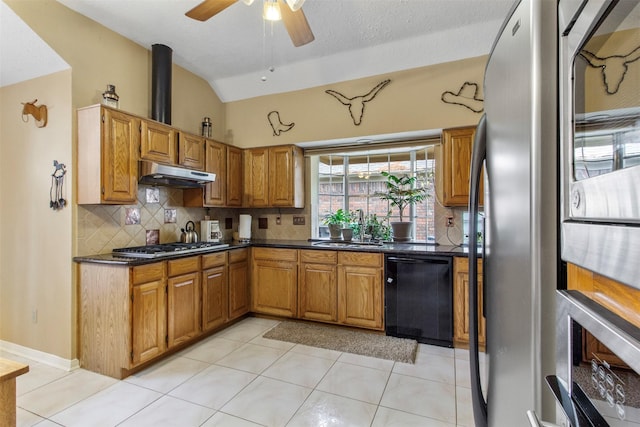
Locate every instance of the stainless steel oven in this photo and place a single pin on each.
(599, 382)
(600, 134)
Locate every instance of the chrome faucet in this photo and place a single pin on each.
(361, 223)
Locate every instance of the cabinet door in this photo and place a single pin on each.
(286, 177)
(120, 142)
(239, 302)
(257, 177)
(281, 176)
(318, 292)
(191, 151)
(183, 312)
(274, 287)
(214, 297)
(360, 296)
(461, 303)
(457, 146)
(216, 162)
(235, 176)
(157, 142)
(149, 316)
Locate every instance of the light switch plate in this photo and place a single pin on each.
(298, 220)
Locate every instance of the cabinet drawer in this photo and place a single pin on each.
(238, 255)
(360, 258)
(275, 254)
(184, 265)
(211, 260)
(319, 257)
(148, 273)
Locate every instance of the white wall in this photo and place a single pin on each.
(36, 241)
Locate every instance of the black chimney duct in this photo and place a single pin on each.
(161, 83)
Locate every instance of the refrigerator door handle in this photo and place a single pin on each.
(478, 157)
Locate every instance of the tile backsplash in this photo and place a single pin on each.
(101, 228)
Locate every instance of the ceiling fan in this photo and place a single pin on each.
(292, 15)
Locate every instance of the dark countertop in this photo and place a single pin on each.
(411, 248)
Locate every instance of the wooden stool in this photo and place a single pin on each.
(9, 370)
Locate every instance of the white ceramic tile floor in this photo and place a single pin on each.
(236, 378)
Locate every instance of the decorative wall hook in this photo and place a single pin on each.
(277, 125)
(38, 113)
(467, 96)
(56, 201)
(614, 67)
(356, 104)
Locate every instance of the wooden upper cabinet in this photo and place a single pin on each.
(453, 162)
(191, 151)
(108, 145)
(157, 142)
(257, 177)
(235, 176)
(286, 177)
(216, 162)
(274, 177)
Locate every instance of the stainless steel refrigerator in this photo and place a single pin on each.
(516, 141)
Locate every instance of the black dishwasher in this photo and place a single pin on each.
(419, 298)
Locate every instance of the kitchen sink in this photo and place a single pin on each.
(342, 244)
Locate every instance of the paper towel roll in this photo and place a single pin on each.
(244, 228)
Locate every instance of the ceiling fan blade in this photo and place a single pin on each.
(209, 8)
(296, 25)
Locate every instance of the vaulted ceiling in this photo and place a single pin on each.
(241, 56)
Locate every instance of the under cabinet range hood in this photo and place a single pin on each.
(152, 173)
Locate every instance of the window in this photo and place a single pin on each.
(352, 181)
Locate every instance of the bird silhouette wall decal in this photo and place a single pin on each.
(277, 125)
(357, 103)
(614, 67)
(467, 96)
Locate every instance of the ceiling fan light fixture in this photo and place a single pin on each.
(247, 2)
(295, 4)
(271, 10)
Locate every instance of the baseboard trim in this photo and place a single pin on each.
(40, 356)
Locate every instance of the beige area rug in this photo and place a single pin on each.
(346, 340)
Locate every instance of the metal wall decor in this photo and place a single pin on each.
(614, 68)
(56, 201)
(39, 113)
(277, 125)
(467, 96)
(357, 103)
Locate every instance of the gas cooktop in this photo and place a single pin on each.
(154, 251)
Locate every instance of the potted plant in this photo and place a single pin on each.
(335, 221)
(402, 192)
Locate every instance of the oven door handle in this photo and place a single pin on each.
(534, 421)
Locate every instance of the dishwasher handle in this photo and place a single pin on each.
(401, 260)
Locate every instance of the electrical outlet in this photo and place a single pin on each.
(449, 221)
(263, 223)
(278, 221)
(228, 223)
(34, 316)
(298, 220)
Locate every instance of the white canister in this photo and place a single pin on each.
(244, 228)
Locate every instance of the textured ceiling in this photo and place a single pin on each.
(235, 49)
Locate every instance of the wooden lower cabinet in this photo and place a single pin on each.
(239, 301)
(274, 281)
(148, 320)
(215, 291)
(461, 303)
(360, 293)
(318, 286)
